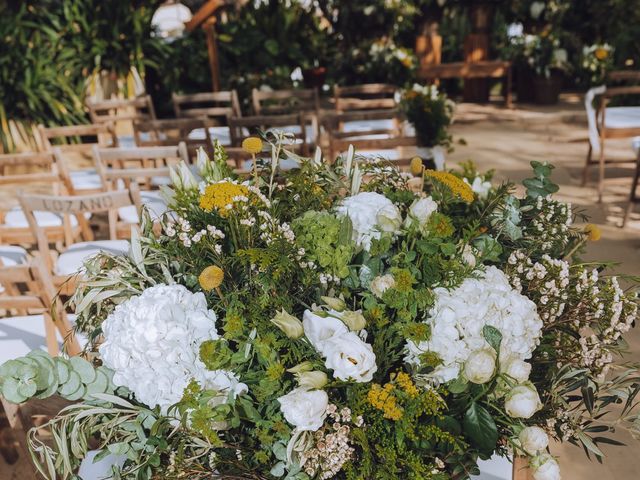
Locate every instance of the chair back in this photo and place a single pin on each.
(215, 105)
(592, 115)
(285, 101)
(119, 110)
(138, 165)
(77, 206)
(371, 96)
(30, 287)
(78, 138)
(194, 132)
(246, 126)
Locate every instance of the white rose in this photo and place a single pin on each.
(371, 214)
(389, 218)
(420, 211)
(545, 467)
(305, 409)
(533, 440)
(522, 402)
(480, 366)
(319, 328)
(350, 358)
(517, 369)
(381, 283)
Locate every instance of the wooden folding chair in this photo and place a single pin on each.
(194, 132)
(29, 290)
(371, 96)
(610, 122)
(36, 172)
(77, 141)
(279, 102)
(119, 110)
(66, 264)
(243, 127)
(147, 166)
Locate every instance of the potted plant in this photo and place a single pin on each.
(430, 113)
(549, 62)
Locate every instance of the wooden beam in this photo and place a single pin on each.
(208, 9)
(212, 48)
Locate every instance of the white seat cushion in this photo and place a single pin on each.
(15, 218)
(220, 133)
(20, 335)
(85, 180)
(496, 468)
(622, 117)
(71, 260)
(152, 200)
(12, 255)
(366, 125)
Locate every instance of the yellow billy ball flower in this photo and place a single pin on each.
(593, 231)
(252, 145)
(211, 278)
(416, 166)
(601, 53)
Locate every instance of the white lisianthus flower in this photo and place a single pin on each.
(355, 321)
(152, 343)
(480, 366)
(468, 256)
(480, 187)
(312, 380)
(536, 9)
(420, 211)
(533, 440)
(371, 214)
(517, 369)
(545, 467)
(350, 358)
(458, 317)
(304, 409)
(522, 401)
(381, 284)
(290, 325)
(320, 328)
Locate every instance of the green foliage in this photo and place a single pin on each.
(430, 112)
(541, 185)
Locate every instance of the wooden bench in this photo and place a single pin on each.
(482, 69)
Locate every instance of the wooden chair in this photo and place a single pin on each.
(243, 127)
(279, 102)
(29, 290)
(68, 263)
(364, 136)
(118, 110)
(36, 172)
(194, 132)
(372, 96)
(78, 140)
(609, 122)
(634, 198)
(148, 166)
(217, 106)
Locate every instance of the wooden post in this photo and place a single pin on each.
(476, 49)
(209, 27)
(429, 45)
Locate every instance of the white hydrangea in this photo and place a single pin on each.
(371, 215)
(459, 316)
(152, 343)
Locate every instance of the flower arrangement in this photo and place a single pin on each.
(329, 322)
(597, 60)
(430, 112)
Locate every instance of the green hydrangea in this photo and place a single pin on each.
(326, 241)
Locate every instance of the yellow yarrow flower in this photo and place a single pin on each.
(382, 398)
(406, 384)
(218, 195)
(416, 166)
(593, 232)
(252, 145)
(211, 278)
(455, 185)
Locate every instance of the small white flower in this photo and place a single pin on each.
(545, 467)
(522, 401)
(480, 366)
(381, 283)
(420, 211)
(533, 440)
(350, 358)
(480, 187)
(468, 256)
(305, 409)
